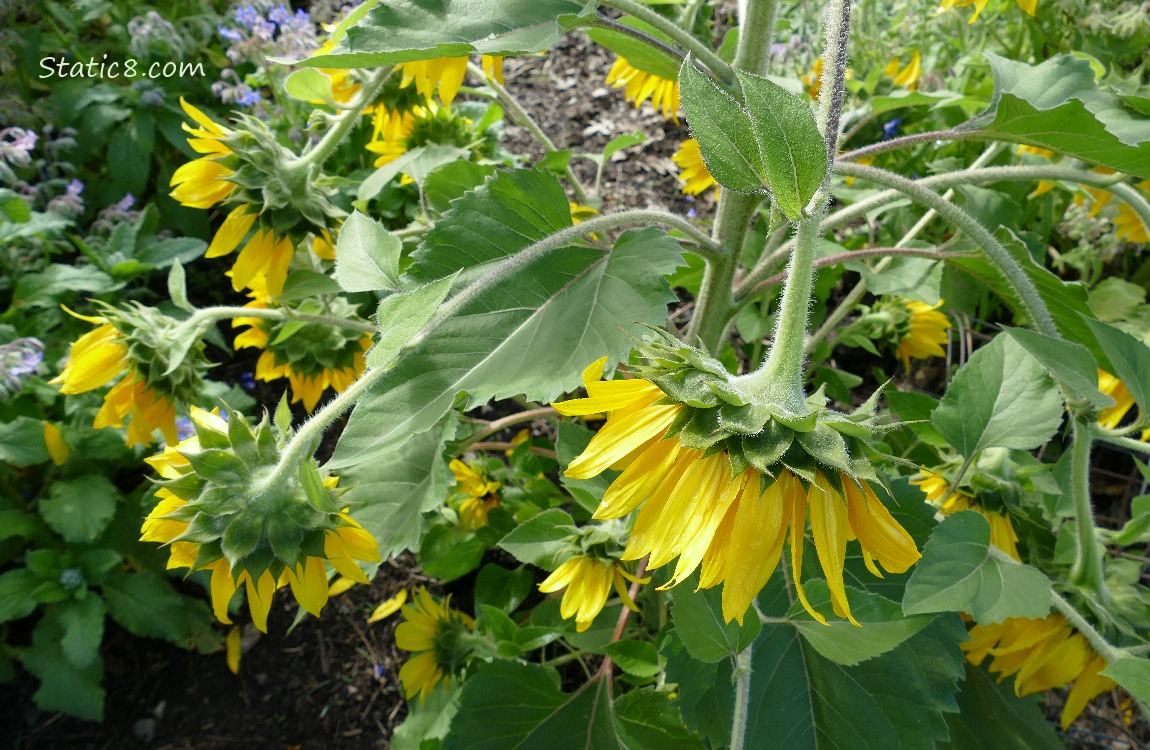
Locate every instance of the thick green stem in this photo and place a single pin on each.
(681, 36)
(1023, 286)
(314, 158)
(521, 116)
(1101, 646)
(739, 715)
(1087, 570)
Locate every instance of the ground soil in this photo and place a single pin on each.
(333, 683)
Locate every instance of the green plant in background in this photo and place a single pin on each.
(399, 257)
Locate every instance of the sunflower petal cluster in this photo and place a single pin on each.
(905, 77)
(638, 86)
(481, 495)
(1041, 654)
(312, 357)
(224, 508)
(586, 582)
(914, 329)
(144, 346)
(723, 478)
(435, 634)
(948, 500)
(396, 133)
(693, 172)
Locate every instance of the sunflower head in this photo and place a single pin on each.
(586, 581)
(439, 638)
(224, 507)
(915, 330)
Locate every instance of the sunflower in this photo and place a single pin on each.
(693, 172)
(979, 5)
(99, 357)
(342, 546)
(1128, 225)
(312, 358)
(939, 493)
(481, 495)
(694, 506)
(640, 86)
(263, 255)
(203, 182)
(1041, 654)
(926, 335)
(431, 630)
(1112, 416)
(905, 77)
(444, 74)
(586, 582)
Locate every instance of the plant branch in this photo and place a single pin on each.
(318, 154)
(907, 140)
(681, 37)
(502, 424)
(742, 675)
(507, 446)
(1101, 646)
(1087, 569)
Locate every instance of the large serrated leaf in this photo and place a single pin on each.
(884, 626)
(1057, 105)
(957, 573)
(531, 334)
(404, 30)
(1129, 360)
(698, 618)
(1001, 398)
(1070, 362)
(367, 255)
(991, 717)
(722, 126)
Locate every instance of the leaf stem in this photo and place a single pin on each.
(681, 36)
(1087, 569)
(743, 673)
(908, 140)
(491, 428)
(1101, 646)
(313, 158)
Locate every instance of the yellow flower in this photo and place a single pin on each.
(979, 5)
(97, 358)
(939, 493)
(389, 607)
(493, 68)
(342, 547)
(310, 359)
(640, 86)
(427, 631)
(58, 449)
(323, 246)
(1042, 654)
(1128, 225)
(587, 582)
(1112, 416)
(343, 85)
(927, 335)
(693, 173)
(905, 78)
(446, 73)
(203, 182)
(234, 648)
(263, 256)
(692, 509)
(481, 495)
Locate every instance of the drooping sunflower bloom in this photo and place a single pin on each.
(432, 631)
(493, 68)
(979, 5)
(904, 77)
(443, 74)
(58, 449)
(134, 343)
(398, 133)
(481, 494)
(1128, 225)
(640, 86)
(927, 335)
(716, 510)
(204, 182)
(1041, 654)
(313, 358)
(693, 172)
(336, 538)
(1111, 417)
(586, 582)
(939, 493)
(263, 255)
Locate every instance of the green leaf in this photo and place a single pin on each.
(510, 211)
(304, 284)
(991, 717)
(647, 719)
(698, 618)
(22, 442)
(502, 588)
(936, 99)
(417, 164)
(958, 574)
(308, 85)
(1001, 398)
(799, 700)
(14, 208)
(913, 278)
(1129, 358)
(723, 128)
(1071, 363)
(402, 315)
(1057, 105)
(389, 495)
(426, 722)
(450, 181)
(884, 626)
(1133, 674)
(404, 30)
(63, 686)
(166, 252)
(82, 621)
(543, 539)
(145, 604)
(16, 594)
(531, 334)
(638, 53)
(367, 256)
(637, 658)
(793, 150)
(79, 509)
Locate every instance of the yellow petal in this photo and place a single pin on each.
(388, 607)
(58, 449)
(233, 644)
(231, 232)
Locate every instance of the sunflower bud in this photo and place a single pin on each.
(225, 507)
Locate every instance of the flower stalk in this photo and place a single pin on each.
(1087, 570)
(313, 159)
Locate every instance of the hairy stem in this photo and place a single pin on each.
(318, 154)
(1087, 569)
(739, 715)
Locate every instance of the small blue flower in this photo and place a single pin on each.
(248, 381)
(890, 128)
(229, 34)
(279, 15)
(249, 98)
(246, 15)
(184, 428)
(692, 212)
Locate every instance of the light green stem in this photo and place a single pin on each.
(739, 714)
(1087, 569)
(313, 159)
(1101, 646)
(1125, 442)
(1023, 286)
(681, 36)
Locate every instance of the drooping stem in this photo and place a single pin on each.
(679, 35)
(1087, 570)
(521, 116)
(1023, 286)
(318, 154)
(739, 715)
(1101, 646)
